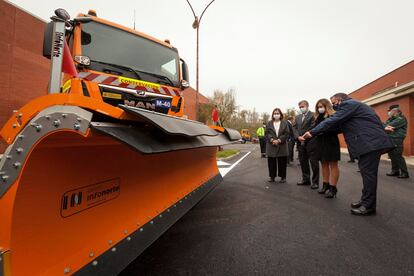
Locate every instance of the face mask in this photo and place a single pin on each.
(276, 117)
(321, 110)
(303, 110)
(389, 113)
(335, 106)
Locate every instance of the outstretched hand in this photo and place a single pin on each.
(307, 135)
(389, 129)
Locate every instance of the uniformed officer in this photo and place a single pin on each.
(396, 127)
(262, 140)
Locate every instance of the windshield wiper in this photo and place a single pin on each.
(168, 81)
(120, 67)
(135, 71)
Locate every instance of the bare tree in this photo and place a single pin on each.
(242, 116)
(254, 116)
(265, 117)
(230, 114)
(226, 104)
(291, 112)
(204, 112)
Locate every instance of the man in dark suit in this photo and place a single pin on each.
(291, 140)
(303, 123)
(366, 139)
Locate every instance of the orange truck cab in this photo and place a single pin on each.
(119, 65)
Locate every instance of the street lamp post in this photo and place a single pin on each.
(196, 25)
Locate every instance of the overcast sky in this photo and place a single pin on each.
(272, 52)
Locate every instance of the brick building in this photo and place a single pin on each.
(190, 109)
(24, 72)
(396, 87)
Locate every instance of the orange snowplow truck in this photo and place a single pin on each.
(104, 163)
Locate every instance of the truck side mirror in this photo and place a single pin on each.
(184, 71)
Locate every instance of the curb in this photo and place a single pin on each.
(408, 159)
(228, 157)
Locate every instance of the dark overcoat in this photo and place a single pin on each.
(361, 126)
(283, 134)
(303, 123)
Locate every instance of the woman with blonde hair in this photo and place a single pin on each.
(327, 150)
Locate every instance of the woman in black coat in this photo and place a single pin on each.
(327, 150)
(277, 134)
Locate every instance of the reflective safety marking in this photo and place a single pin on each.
(138, 83)
(112, 95)
(109, 80)
(100, 78)
(130, 83)
(67, 86)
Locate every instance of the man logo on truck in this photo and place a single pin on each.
(145, 105)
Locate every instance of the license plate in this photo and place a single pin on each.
(163, 103)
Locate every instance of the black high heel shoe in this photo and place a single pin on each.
(331, 192)
(325, 187)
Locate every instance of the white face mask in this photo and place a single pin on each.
(276, 117)
(390, 113)
(303, 110)
(321, 110)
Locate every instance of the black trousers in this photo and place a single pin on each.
(262, 141)
(291, 145)
(351, 158)
(305, 159)
(277, 166)
(397, 160)
(368, 165)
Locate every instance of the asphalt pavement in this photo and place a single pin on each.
(247, 226)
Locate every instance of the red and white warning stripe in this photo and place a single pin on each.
(130, 83)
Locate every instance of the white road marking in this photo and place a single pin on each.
(222, 163)
(225, 171)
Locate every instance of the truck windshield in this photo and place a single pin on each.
(107, 45)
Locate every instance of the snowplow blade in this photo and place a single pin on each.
(86, 198)
(171, 125)
(152, 140)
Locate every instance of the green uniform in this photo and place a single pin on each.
(399, 122)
